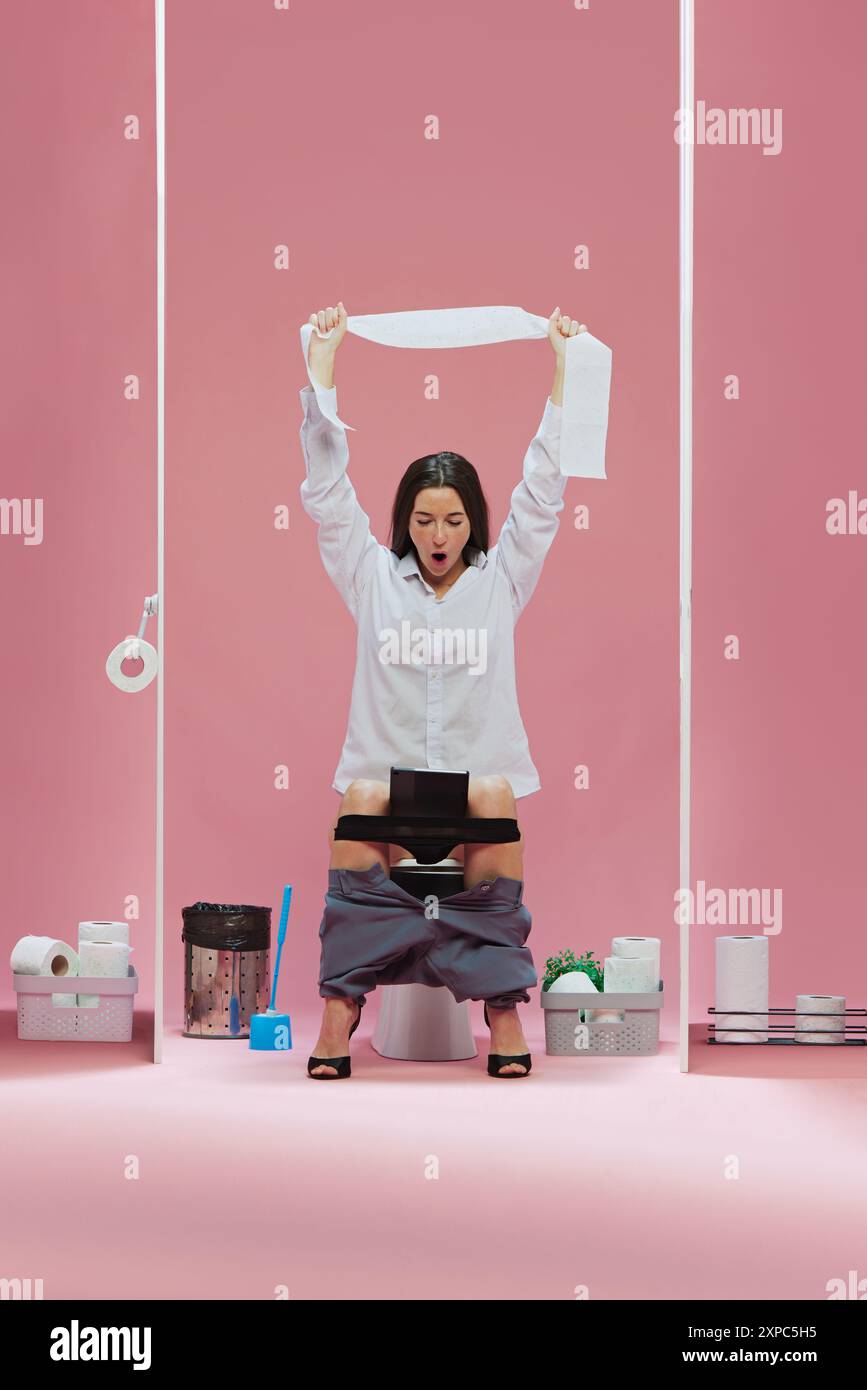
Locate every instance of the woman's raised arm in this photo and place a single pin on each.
(537, 501)
(346, 545)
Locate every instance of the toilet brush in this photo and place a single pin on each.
(270, 1031)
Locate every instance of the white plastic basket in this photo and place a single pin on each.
(39, 1020)
(636, 1035)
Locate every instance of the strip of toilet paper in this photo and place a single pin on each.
(45, 955)
(831, 1007)
(106, 959)
(103, 931)
(586, 376)
(741, 983)
(642, 946)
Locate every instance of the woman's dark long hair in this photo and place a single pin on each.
(440, 470)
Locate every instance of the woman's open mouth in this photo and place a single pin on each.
(439, 557)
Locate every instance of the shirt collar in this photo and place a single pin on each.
(409, 563)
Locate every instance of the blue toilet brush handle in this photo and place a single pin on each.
(281, 937)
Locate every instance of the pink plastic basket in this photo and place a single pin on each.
(41, 1021)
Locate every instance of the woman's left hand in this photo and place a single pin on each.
(561, 327)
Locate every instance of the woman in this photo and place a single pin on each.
(434, 687)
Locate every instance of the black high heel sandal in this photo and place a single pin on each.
(497, 1060)
(341, 1064)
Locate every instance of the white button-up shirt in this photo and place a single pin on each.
(434, 678)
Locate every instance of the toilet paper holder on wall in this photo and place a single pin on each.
(844, 1033)
(135, 648)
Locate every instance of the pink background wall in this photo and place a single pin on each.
(259, 646)
(265, 149)
(780, 750)
(77, 824)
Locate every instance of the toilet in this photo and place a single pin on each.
(420, 1023)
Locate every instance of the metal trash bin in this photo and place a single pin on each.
(227, 953)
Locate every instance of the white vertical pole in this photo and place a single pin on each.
(687, 104)
(160, 70)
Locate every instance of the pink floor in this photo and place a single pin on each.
(602, 1172)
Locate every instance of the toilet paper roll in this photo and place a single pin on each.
(741, 983)
(832, 1011)
(103, 931)
(631, 974)
(108, 959)
(572, 982)
(45, 955)
(132, 648)
(642, 946)
(586, 376)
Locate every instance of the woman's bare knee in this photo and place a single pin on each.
(365, 797)
(490, 796)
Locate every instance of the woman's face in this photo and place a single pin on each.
(439, 528)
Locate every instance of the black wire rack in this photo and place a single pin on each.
(846, 1034)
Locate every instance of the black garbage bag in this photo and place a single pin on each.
(227, 926)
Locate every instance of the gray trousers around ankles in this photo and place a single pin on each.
(374, 932)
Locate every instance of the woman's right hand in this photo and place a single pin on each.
(321, 351)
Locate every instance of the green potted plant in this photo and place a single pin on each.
(566, 961)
